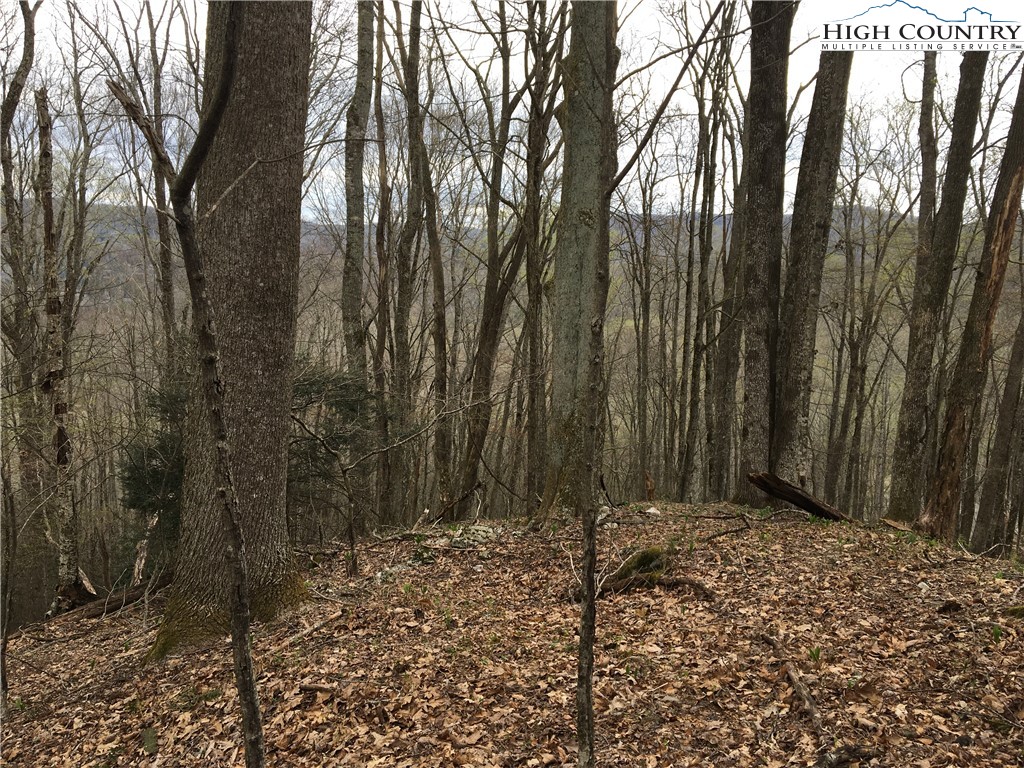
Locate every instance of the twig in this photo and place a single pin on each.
(40, 670)
(330, 599)
(741, 529)
(309, 630)
(799, 688)
(699, 588)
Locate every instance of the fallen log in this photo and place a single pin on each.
(778, 488)
(118, 600)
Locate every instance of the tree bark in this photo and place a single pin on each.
(809, 238)
(249, 205)
(386, 491)
(931, 285)
(581, 292)
(355, 208)
(539, 33)
(993, 521)
(766, 155)
(939, 516)
(70, 591)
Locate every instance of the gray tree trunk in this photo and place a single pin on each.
(355, 208)
(766, 155)
(249, 209)
(61, 506)
(993, 513)
(968, 381)
(808, 243)
(581, 292)
(931, 285)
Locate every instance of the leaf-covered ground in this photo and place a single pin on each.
(461, 651)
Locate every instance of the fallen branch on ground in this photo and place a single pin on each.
(778, 488)
(800, 688)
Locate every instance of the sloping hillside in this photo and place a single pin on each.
(458, 648)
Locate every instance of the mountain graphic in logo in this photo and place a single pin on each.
(972, 14)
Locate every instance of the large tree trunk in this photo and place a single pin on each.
(809, 236)
(405, 274)
(249, 202)
(931, 284)
(968, 380)
(386, 490)
(766, 155)
(993, 518)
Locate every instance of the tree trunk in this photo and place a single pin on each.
(581, 292)
(727, 350)
(581, 254)
(808, 243)
(766, 155)
(355, 228)
(993, 519)
(70, 592)
(386, 490)
(249, 202)
(538, 34)
(968, 380)
(931, 283)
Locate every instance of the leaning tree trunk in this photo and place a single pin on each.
(809, 236)
(771, 24)
(968, 381)
(931, 285)
(249, 201)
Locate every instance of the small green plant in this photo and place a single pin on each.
(997, 633)
(18, 704)
(150, 742)
(815, 654)
(407, 588)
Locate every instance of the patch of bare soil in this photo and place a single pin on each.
(772, 642)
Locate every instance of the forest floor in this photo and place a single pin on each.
(459, 648)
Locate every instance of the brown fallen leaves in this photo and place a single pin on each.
(912, 654)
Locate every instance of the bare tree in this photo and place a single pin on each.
(249, 200)
(355, 210)
(939, 515)
(809, 239)
(931, 284)
(766, 159)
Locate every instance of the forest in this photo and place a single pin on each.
(595, 375)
